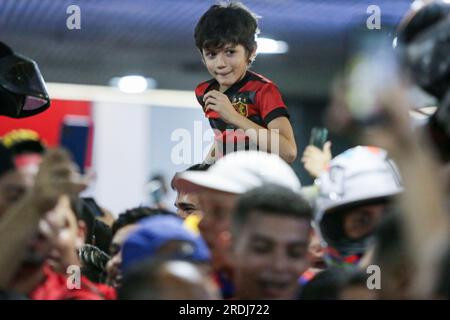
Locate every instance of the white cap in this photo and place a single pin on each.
(360, 173)
(239, 172)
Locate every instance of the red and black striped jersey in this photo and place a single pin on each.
(254, 97)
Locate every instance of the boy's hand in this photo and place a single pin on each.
(219, 102)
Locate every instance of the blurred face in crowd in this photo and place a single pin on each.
(28, 165)
(38, 250)
(56, 241)
(270, 253)
(316, 252)
(361, 221)
(187, 204)
(114, 275)
(13, 186)
(217, 208)
(70, 237)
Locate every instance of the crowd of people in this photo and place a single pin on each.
(374, 225)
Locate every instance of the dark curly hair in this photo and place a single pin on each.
(227, 23)
(23, 141)
(132, 216)
(270, 199)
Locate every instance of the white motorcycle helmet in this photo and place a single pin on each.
(359, 176)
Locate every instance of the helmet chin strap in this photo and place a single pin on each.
(346, 252)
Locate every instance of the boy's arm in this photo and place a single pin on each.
(277, 138)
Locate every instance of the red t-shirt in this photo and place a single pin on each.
(54, 287)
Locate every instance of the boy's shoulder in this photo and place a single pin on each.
(258, 77)
(201, 88)
(259, 83)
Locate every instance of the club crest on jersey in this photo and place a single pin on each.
(239, 104)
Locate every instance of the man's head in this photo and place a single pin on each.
(125, 224)
(354, 193)
(271, 232)
(56, 241)
(187, 203)
(162, 236)
(54, 230)
(134, 215)
(219, 186)
(27, 149)
(71, 230)
(226, 38)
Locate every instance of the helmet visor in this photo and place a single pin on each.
(21, 77)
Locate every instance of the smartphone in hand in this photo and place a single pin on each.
(318, 137)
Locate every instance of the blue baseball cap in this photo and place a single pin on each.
(156, 231)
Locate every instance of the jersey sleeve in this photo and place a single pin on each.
(271, 104)
(199, 93)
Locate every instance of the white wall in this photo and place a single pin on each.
(120, 155)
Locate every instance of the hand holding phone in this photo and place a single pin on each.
(318, 137)
(317, 154)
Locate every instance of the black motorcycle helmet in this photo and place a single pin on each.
(423, 40)
(22, 88)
